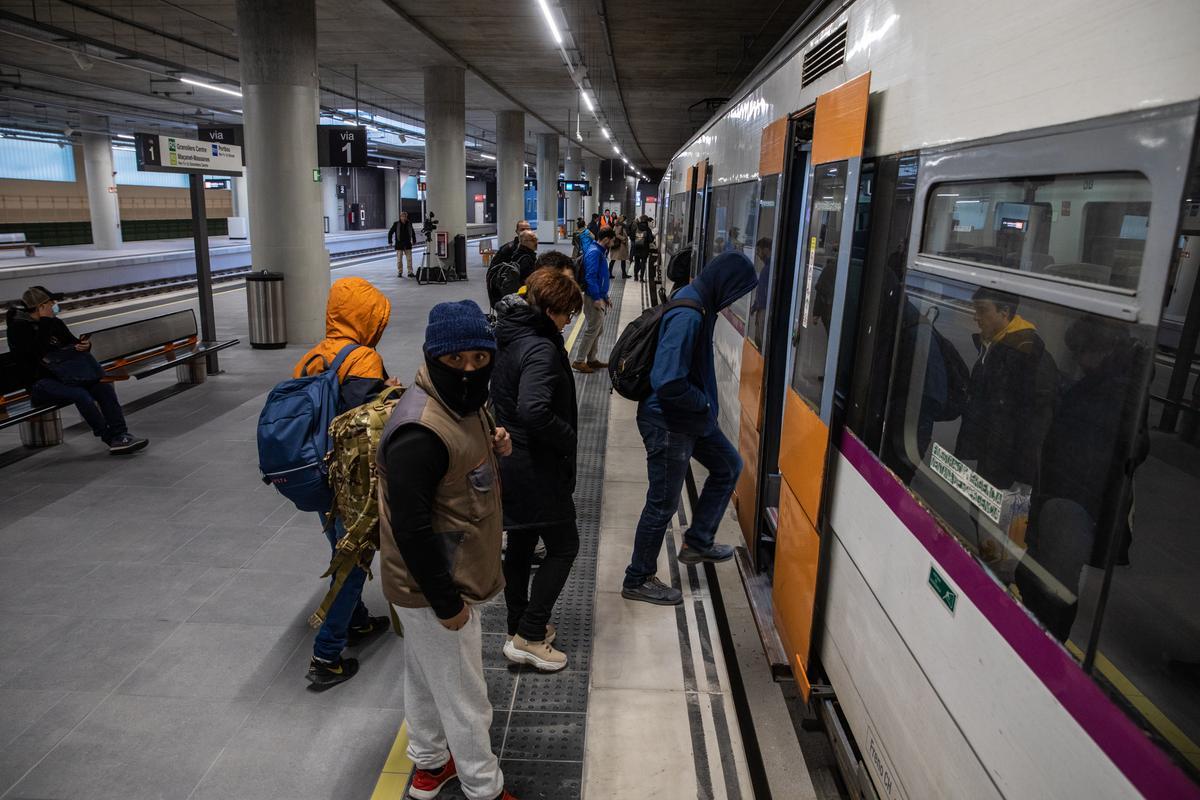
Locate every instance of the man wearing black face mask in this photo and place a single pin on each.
(439, 534)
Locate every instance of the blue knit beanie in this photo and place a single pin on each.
(455, 327)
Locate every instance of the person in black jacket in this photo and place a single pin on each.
(522, 251)
(34, 332)
(533, 395)
(403, 236)
(1011, 395)
(643, 243)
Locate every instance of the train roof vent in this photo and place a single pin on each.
(825, 57)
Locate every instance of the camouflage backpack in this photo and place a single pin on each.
(354, 437)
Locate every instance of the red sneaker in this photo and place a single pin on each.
(427, 784)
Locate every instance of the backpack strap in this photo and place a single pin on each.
(341, 356)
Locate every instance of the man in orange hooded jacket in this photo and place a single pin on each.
(357, 313)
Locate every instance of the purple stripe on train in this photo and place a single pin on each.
(1147, 767)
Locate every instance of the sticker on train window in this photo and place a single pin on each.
(983, 495)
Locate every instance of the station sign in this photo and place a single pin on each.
(576, 186)
(531, 183)
(158, 153)
(223, 134)
(341, 146)
(422, 186)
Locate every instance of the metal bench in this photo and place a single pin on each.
(134, 350)
(16, 241)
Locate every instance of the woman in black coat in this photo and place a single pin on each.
(533, 396)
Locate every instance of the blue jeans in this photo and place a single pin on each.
(347, 609)
(667, 457)
(97, 404)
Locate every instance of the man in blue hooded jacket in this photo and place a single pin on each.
(678, 422)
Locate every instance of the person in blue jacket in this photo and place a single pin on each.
(678, 422)
(595, 302)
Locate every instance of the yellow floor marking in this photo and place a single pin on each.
(1157, 719)
(575, 331)
(396, 770)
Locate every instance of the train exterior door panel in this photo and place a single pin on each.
(839, 129)
(802, 455)
(750, 384)
(796, 557)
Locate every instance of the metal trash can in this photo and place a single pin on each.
(264, 307)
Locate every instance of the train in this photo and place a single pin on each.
(964, 388)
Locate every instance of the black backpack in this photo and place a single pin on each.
(958, 378)
(632, 357)
(503, 278)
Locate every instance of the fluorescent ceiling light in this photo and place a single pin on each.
(605, 132)
(124, 136)
(550, 21)
(487, 156)
(626, 160)
(616, 150)
(587, 101)
(203, 85)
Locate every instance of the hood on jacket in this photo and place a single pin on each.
(520, 319)
(723, 280)
(17, 312)
(357, 313)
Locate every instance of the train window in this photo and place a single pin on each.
(764, 252)
(743, 225)
(1013, 420)
(719, 222)
(675, 232)
(810, 329)
(1086, 227)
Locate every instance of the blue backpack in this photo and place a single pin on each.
(293, 434)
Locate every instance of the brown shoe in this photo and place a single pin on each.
(582, 366)
(598, 364)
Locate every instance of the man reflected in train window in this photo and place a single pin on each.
(1011, 394)
(1084, 493)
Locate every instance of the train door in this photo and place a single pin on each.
(822, 281)
(699, 217)
(784, 167)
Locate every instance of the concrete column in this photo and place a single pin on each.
(572, 167)
(241, 198)
(445, 149)
(103, 207)
(591, 205)
(630, 207)
(329, 203)
(510, 171)
(391, 197)
(278, 48)
(547, 191)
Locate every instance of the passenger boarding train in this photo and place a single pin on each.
(963, 389)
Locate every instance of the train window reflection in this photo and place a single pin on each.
(810, 328)
(1089, 227)
(763, 253)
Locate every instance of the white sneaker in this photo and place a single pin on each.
(539, 655)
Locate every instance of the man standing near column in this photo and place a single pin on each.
(596, 302)
(403, 234)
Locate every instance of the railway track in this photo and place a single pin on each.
(135, 291)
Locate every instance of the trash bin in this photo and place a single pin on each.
(264, 307)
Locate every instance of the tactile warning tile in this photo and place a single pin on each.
(544, 733)
(539, 735)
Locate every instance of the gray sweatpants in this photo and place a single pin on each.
(446, 702)
(593, 326)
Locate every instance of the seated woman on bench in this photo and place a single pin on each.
(39, 340)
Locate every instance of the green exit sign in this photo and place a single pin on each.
(942, 589)
(316, 176)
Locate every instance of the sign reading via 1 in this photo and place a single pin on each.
(157, 153)
(341, 146)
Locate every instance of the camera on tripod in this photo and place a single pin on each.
(429, 226)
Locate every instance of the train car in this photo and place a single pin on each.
(962, 387)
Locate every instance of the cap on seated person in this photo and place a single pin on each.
(456, 328)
